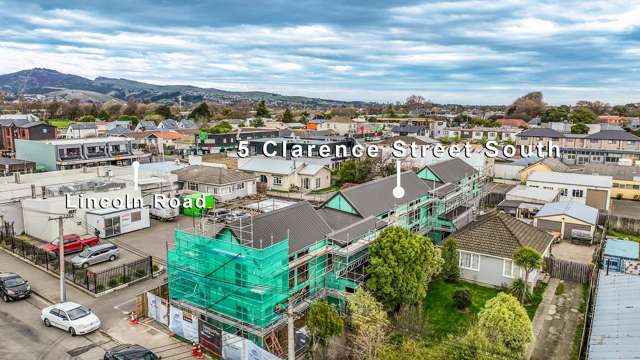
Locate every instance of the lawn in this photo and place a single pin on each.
(441, 316)
(538, 291)
(622, 235)
(59, 123)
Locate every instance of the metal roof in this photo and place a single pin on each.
(571, 179)
(269, 165)
(616, 171)
(337, 219)
(311, 169)
(202, 174)
(524, 192)
(356, 230)
(622, 248)
(613, 135)
(452, 171)
(573, 209)
(615, 328)
(540, 132)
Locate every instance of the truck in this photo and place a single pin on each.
(72, 243)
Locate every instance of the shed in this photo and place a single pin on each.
(617, 251)
(570, 219)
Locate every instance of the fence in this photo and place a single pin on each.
(624, 224)
(95, 282)
(568, 270)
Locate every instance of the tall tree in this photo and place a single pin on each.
(527, 107)
(287, 116)
(450, 269)
(131, 108)
(505, 321)
(262, 111)
(401, 266)
(528, 260)
(370, 323)
(324, 322)
(201, 113)
(582, 115)
(556, 114)
(579, 128)
(164, 111)
(598, 107)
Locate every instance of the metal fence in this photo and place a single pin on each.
(95, 282)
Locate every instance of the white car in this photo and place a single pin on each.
(71, 317)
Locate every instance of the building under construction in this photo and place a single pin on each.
(245, 276)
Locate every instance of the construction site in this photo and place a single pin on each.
(258, 275)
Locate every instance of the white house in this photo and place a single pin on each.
(486, 249)
(225, 184)
(592, 190)
(282, 174)
(82, 130)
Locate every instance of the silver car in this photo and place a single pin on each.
(95, 254)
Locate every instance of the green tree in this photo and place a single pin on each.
(618, 110)
(201, 113)
(356, 171)
(410, 349)
(103, 115)
(505, 321)
(257, 122)
(370, 323)
(304, 117)
(220, 128)
(324, 322)
(87, 118)
(262, 111)
(450, 269)
(401, 266)
(555, 114)
(528, 260)
(582, 115)
(287, 116)
(579, 128)
(164, 111)
(473, 345)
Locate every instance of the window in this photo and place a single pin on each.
(192, 186)
(136, 216)
(507, 268)
(630, 142)
(594, 141)
(317, 183)
(611, 141)
(563, 192)
(277, 180)
(303, 273)
(547, 187)
(577, 193)
(469, 261)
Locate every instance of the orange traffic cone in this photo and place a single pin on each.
(133, 318)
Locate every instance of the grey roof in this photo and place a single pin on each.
(499, 234)
(202, 174)
(337, 219)
(616, 171)
(168, 124)
(526, 161)
(375, 197)
(304, 226)
(311, 169)
(8, 161)
(452, 170)
(187, 124)
(408, 128)
(615, 328)
(571, 179)
(509, 204)
(118, 130)
(269, 165)
(554, 164)
(573, 209)
(406, 139)
(540, 132)
(613, 135)
(356, 230)
(147, 125)
(83, 126)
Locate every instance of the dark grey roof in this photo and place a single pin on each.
(613, 135)
(147, 125)
(202, 174)
(188, 124)
(616, 171)
(499, 234)
(408, 128)
(7, 161)
(18, 122)
(452, 171)
(375, 197)
(406, 139)
(118, 130)
(169, 124)
(540, 132)
(356, 230)
(337, 219)
(443, 189)
(509, 204)
(304, 226)
(32, 124)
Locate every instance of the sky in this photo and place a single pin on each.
(466, 52)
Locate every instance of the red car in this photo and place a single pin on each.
(72, 243)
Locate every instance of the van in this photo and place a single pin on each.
(95, 254)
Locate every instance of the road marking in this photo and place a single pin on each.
(117, 307)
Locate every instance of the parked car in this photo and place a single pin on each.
(13, 287)
(95, 254)
(130, 352)
(235, 215)
(72, 243)
(71, 317)
(217, 215)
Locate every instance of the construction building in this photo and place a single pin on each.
(247, 277)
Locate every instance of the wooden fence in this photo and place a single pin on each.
(568, 270)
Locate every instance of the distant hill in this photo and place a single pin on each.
(52, 84)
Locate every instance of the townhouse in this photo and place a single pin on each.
(603, 147)
(504, 133)
(257, 147)
(82, 130)
(24, 127)
(215, 143)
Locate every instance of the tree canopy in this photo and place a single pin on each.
(555, 114)
(324, 322)
(505, 321)
(579, 128)
(287, 116)
(262, 111)
(450, 269)
(220, 128)
(526, 107)
(201, 113)
(582, 115)
(164, 111)
(369, 321)
(401, 266)
(528, 259)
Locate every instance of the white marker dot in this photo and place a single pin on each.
(398, 192)
(136, 164)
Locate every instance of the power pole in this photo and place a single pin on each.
(60, 219)
(291, 342)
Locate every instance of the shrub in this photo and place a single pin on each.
(462, 298)
(520, 290)
(99, 288)
(560, 289)
(450, 270)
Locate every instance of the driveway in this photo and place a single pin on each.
(572, 252)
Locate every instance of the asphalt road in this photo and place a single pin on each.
(25, 337)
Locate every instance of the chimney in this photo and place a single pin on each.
(16, 177)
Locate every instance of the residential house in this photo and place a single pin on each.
(215, 143)
(74, 153)
(592, 190)
(478, 133)
(570, 219)
(118, 131)
(516, 123)
(224, 184)
(146, 125)
(118, 123)
(524, 202)
(314, 123)
(604, 147)
(344, 125)
(82, 130)
(611, 119)
(282, 174)
(547, 164)
(486, 249)
(626, 179)
(507, 170)
(168, 124)
(24, 127)
(187, 124)
(409, 130)
(438, 129)
(339, 149)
